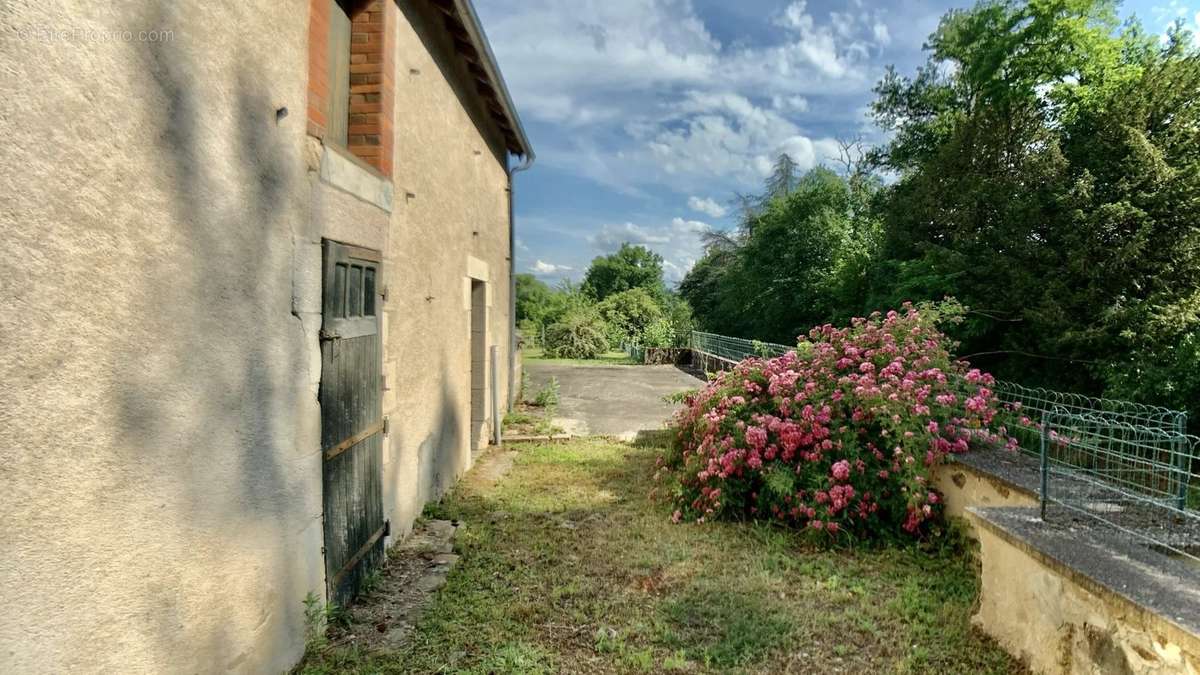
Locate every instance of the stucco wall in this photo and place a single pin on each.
(1043, 614)
(161, 490)
(160, 498)
(963, 486)
(450, 225)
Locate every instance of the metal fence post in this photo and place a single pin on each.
(1183, 460)
(1045, 462)
(496, 421)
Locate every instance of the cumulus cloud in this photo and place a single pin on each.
(790, 103)
(725, 135)
(667, 112)
(648, 95)
(829, 48)
(610, 237)
(882, 35)
(680, 242)
(544, 268)
(707, 206)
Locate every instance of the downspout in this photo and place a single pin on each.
(513, 375)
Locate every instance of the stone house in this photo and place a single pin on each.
(256, 310)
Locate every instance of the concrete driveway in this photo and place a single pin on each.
(615, 401)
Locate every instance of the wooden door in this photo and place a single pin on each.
(352, 425)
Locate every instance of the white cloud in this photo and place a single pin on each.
(648, 96)
(684, 227)
(544, 268)
(790, 103)
(723, 135)
(610, 237)
(680, 242)
(882, 35)
(829, 48)
(707, 206)
(796, 17)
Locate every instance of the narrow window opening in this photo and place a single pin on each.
(339, 291)
(355, 293)
(369, 292)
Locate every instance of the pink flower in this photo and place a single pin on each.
(841, 470)
(863, 405)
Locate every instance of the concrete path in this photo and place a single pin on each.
(615, 401)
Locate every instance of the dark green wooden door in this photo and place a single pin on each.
(352, 424)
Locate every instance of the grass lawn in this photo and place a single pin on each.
(568, 566)
(535, 355)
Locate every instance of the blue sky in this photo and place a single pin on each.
(647, 115)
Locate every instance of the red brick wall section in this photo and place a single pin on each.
(318, 67)
(372, 86)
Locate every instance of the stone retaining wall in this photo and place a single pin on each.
(1066, 605)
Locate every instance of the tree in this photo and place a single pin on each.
(1036, 159)
(629, 313)
(533, 297)
(1046, 170)
(630, 267)
(540, 306)
(579, 334)
(795, 257)
(783, 179)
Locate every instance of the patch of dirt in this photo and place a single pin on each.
(490, 469)
(528, 419)
(383, 616)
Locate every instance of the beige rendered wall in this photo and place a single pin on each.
(160, 497)
(963, 486)
(1057, 625)
(450, 226)
(160, 489)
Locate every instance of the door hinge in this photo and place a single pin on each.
(327, 335)
(386, 426)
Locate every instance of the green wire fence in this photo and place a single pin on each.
(1135, 478)
(735, 349)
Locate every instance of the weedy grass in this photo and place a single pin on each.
(617, 358)
(526, 419)
(568, 566)
(547, 396)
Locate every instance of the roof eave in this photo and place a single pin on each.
(518, 142)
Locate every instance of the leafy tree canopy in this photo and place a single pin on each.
(630, 267)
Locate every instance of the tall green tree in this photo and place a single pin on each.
(533, 297)
(630, 267)
(1045, 181)
(794, 261)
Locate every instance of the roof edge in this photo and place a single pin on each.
(470, 20)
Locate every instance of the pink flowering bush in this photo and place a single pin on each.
(839, 436)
